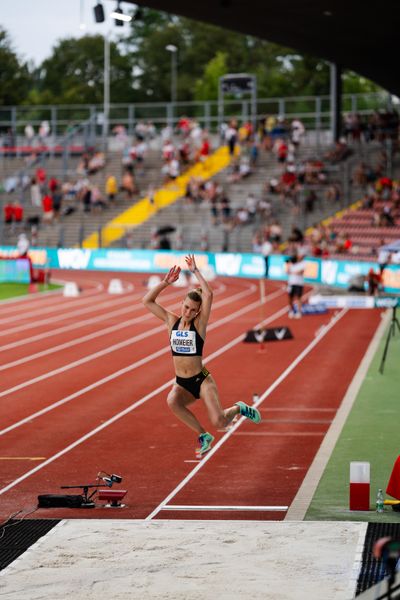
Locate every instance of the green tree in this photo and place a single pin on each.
(206, 88)
(74, 73)
(15, 76)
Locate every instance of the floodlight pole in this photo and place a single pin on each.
(106, 91)
(336, 101)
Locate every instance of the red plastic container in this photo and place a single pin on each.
(359, 496)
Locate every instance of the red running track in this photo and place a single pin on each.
(83, 387)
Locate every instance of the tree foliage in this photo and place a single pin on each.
(141, 66)
(15, 76)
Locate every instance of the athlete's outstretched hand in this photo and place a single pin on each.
(173, 274)
(191, 263)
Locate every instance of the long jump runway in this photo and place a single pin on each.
(83, 385)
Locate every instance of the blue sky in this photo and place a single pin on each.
(35, 25)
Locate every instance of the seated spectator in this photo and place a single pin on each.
(97, 200)
(251, 206)
(8, 212)
(297, 131)
(171, 170)
(18, 212)
(241, 217)
(57, 202)
(96, 163)
(111, 188)
(226, 210)
(40, 175)
(275, 232)
(47, 206)
(128, 184)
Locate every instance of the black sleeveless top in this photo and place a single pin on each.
(186, 342)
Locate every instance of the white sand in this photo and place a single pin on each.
(184, 560)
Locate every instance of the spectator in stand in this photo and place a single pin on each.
(111, 188)
(275, 233)
(251, 206)
(281, 150)
(18, 212)
(57, 202)
(241, 217)
(29, 134)
(22, 246)
(231, 136)
(53, 184)
(171, 170)
(41, 176)
(98, 202)
(226, 211)
(96, 163)
(297, 132)
(8, 212)
(47, 206)
(128, 184)
(205, 149)
(386, 216)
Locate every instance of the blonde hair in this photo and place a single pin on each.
(195, 295)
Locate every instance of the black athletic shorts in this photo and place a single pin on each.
(192, 384)
(295, 291)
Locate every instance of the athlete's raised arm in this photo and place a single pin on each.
(206, 291)
(149, 300)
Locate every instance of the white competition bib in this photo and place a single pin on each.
(183, 342)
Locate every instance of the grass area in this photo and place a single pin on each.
(370, 434)
(12, 290)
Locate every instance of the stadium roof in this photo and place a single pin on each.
(361, 36)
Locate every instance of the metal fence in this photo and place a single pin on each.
(314, 111)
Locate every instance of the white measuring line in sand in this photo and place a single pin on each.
(127, 410)
(110, 329)
(88, 298)
(228, 434)
(100, 353)
(136, 365)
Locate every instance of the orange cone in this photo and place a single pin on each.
(393, 488)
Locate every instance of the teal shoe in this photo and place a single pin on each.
(249, 412)
(205, 441)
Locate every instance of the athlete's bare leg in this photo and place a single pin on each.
(178, 401)
(219, 417)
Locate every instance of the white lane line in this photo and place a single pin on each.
(54, 306)
(140, 363)
(233, 429)
(79, 324)
(66, 315)
(111, 329)
(196, 507)
(100, 353)
(127, 410)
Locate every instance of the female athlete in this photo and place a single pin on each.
(187, 333)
